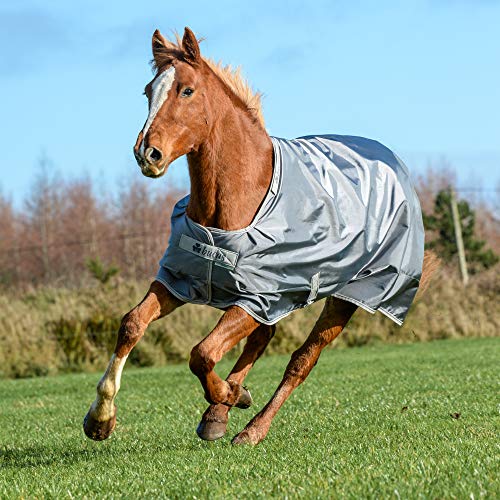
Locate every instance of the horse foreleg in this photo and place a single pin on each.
(100, 420)
(214, 421)
(234, 326)
(332, 321)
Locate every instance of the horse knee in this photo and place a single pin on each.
(201, 360)
(130, 332)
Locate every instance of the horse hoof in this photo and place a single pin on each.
(244, 438)
(97, 430)
(210, 431)
(245, 400)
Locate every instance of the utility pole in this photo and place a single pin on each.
(458, 237)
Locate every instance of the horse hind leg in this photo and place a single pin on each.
(100, 420)
(330, 324)
(213, 423)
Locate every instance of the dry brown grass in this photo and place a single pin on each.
(52, 330)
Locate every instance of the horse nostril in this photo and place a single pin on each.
(153, 155)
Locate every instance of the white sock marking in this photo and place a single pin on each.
(159, 95)
(107, 389)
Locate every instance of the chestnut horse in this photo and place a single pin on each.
(204, 111)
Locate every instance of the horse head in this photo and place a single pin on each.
(178, 118)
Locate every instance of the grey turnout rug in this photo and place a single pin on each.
(341, 218)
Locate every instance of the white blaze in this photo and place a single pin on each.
(159, 95)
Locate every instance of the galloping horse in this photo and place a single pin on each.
(238, 239)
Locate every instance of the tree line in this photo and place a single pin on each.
(63, 226)
(65, 230)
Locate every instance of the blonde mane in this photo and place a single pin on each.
(231, 77)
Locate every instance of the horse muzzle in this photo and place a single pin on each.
(153, 171)
(152, 163)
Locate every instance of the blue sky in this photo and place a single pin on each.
(423, 77)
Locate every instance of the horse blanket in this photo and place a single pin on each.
(341, 218)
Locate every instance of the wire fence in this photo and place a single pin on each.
(43, 258)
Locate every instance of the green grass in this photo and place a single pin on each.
(343, 433)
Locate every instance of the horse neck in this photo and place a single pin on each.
(231, 171)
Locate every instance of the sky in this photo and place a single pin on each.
(422, 77)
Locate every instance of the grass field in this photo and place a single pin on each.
(369, 422)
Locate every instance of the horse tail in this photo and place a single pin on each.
(431, 264)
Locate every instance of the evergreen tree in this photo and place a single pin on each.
(99, 271)
(441, 221)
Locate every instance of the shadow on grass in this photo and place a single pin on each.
(38, 455)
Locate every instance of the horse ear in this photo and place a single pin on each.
(159, 45)
(190, 46)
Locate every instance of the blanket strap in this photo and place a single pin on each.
(314, 289)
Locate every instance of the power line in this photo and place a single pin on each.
(478, 190)
(129, 236)
(120, 237)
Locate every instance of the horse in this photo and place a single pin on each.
(207, 112)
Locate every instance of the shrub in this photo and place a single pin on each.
(50, 330)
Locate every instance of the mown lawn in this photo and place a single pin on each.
(369, 422)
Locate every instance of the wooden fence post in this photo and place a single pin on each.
(458, 237)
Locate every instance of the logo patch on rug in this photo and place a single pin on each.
(220, 256)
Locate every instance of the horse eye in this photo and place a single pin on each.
(187, 92)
